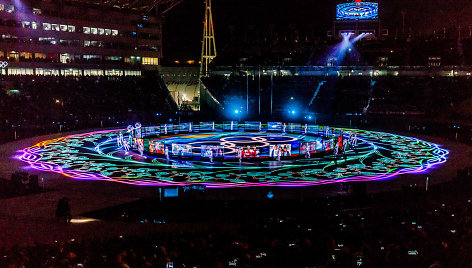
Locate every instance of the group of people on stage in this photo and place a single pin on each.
(276, 151)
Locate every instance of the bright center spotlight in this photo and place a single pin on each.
(236, 111)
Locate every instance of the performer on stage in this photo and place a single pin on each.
(126, 146)
(141, 147)
(120, 140)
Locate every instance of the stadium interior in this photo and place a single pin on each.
(406, 69)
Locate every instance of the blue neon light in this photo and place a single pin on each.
(357, 11)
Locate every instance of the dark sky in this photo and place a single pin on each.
(183, 25)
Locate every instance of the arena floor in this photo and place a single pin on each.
(31, 218)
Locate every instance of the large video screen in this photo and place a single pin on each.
(136, 143)
(185, 127)
(357, 11)
(230, 125)
(328, 145)
(210, 126)
(181, 149)
(312, 129)
(156, 147)
(274, 126)
(215, 151)
(167, 129)
(249, 151)
(252, 125)
(276, 150)
(149, 131)
(294, 128)
(311, 147)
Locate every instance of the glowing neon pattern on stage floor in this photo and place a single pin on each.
(96, 156)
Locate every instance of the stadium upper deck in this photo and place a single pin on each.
(63, 38)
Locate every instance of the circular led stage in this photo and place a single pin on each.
(96, 156)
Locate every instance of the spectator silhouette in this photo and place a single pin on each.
(63, 210)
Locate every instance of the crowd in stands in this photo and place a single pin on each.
(414, 51)
(34, 105)
(20, 183)
(410, 228)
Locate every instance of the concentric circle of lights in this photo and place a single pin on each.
(95, 156)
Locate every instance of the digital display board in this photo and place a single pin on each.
(207, 125)
(137, 142)
(230, 125)
(249, 151)
(156, 147)
(311, 147)
(357, 11)
(185, 127)
(252, 125)
(181, 149)
(149, 131)
(294, 128)
(276, 150)
(167, 129)
(212, 151)
(312, 129)
(328, 144)
(274, 126)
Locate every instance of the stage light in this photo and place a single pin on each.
(293, 112)
(82, 220)
(236, 111)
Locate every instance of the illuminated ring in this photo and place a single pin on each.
(3, 64)
(96, 156)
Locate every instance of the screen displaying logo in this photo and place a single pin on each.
(357, 11)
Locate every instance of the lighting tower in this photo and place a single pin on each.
(208, 45)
